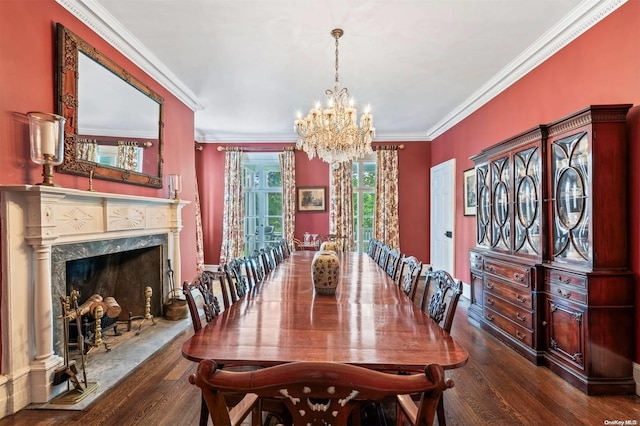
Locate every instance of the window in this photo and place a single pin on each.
(262, 200)
(364, 199)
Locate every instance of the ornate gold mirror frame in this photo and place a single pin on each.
(69, 47)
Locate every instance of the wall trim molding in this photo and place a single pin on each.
(96, 17)
(582, 18)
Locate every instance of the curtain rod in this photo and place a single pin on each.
(401, 146)
(255, 148)
(290, 147)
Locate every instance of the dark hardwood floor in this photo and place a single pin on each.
(496, 387)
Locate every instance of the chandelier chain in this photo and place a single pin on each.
(337, 38)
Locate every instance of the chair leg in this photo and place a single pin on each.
(204, 413)
(442, 421)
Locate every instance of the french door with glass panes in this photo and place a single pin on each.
(262, 200)
(364, 200)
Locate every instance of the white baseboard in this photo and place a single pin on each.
(636, 377)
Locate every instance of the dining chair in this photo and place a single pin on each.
(440, 300)
(371, 248)
(251, 272)
(267, 260)
(233, 272)
(204, 285)
(393, 261)
(319, 392)
(227, 287)
(411, 270)
(286, 249)
(384, 256)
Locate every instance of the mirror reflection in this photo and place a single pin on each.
(114, 121)
(117, 124)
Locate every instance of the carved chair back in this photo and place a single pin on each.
(393, 261)
(318, 392)
(411, 270)
(204, 285)
(440, 298)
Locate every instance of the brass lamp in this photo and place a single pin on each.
(46, 133)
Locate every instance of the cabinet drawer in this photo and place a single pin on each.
(515, 331)
(565, 292)
(514, 273)
(556, 276)
(476, 261)
(517, 296)
(518, 315)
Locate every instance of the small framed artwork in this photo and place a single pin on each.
(469, 191)
(312, 199)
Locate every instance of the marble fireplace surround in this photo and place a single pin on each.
(37, 222)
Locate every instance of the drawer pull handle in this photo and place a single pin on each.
(565, 294)
(490, 286)
(544, 323)
(520, 335)
(520, 317)
(489, 301)
(563, 279)
(490, 317)
(520, 298)
(490, 268)
(519, 277)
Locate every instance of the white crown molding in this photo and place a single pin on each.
(286, 138)
(92, 14)
(583, 17)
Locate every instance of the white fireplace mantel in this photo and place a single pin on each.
(33, 219)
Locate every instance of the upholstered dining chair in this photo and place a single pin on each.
(319, 392)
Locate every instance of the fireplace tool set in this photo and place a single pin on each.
(68, 372)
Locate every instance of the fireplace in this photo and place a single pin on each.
(121, 268)
(52, 237)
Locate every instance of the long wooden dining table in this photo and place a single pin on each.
(369, 322)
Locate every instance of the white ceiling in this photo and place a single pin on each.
(248, 66)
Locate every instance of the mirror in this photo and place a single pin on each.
(114, 121)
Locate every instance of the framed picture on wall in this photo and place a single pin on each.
(469, 191)
(312, 199)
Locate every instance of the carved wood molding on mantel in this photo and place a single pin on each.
(60, 215)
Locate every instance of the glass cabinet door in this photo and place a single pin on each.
(527, 169)
(483, 218)
(501, 189)
(570, 166)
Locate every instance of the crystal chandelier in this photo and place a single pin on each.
(332, 132)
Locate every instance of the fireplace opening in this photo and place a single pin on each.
(123, 276)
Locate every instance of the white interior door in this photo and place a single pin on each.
(443, 208)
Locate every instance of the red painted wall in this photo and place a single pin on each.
(601, 66)
(27, 83)
(413, 162)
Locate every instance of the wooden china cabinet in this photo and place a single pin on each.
(549, 272)
(506, 295)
